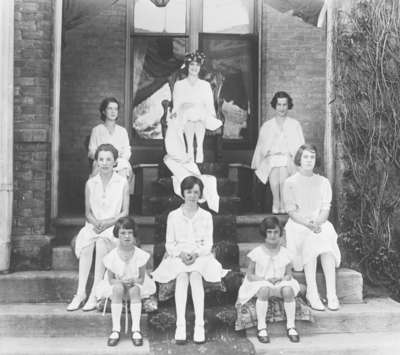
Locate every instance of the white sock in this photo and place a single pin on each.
(181, 288)
(329, 268)
(116, 310)
(196, 283)
(261, 310)
(136, 311)
(290, 310)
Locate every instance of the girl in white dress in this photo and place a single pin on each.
(309, 234)
(126, 277)
(110, 132)
(269, 274)
(188, 257)
(278, 141)
(106, 200)
(193, 102)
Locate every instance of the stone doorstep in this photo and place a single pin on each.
(70, 346)
(372, 343)
(52, 320)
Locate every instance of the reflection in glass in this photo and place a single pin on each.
(155, 59)
(227, 16)
(150, 18)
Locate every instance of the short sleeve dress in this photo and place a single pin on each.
(267, 266)
(104, 203)
(126, 269)
(191, 235)
(309, 195)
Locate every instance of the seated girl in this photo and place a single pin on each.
(188, 258)
(309, 234)
(269, 274)
(106, 201)
(110, 132)
(126, 278)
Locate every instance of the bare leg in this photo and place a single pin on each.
(200, 131)
(274, 183)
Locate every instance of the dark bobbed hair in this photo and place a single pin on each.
(310, 148)
(269, 223)
(125, 223)
(104, 104)
(282, 95)
(106, 147)
(189, 182)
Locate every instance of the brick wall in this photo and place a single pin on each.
(93, 67)
(32, 77)
(293, 57)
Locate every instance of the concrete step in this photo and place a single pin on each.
(52, 320)
(373, 343)
(70, 346)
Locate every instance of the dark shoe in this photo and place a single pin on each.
(180, 335)
(294, 338)
(263, 338)
(137, 341)
(113, 341)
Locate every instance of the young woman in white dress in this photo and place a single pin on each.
(193, 102)
(110, 132)
(189, 258)
(278, 141)
(309, 234)
(269, 274)
(106, 201)
(126, 278)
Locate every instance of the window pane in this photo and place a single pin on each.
(150, 18)
(233, 57)
(155, 59)
(228, 16)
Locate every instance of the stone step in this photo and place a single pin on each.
(52, 320)
(77, 345)
(67, 227)
(373, 343)
(225, 187)
(160, 204)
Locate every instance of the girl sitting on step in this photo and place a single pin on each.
(106, 201)
(309, 234)
(188, 257)
(269, 274)
(126, 278)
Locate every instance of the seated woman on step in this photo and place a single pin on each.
(110, 132)
(106, 201)
(193, 103)
(126, 279)
(309, 234)
(269, 274)
(188, 258)
(278, 141)
(182, 165)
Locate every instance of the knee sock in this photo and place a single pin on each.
(290, 310)
(261, 310)
(116, 310)
(310, 271)
(136, 311)
(196, 284)
(181, 286)
(85, 262)
(329, 268)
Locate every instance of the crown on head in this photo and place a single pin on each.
(196, 56)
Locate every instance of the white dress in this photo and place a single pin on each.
(309, 195)
(280, 143)
(267, 266)
(195, 102)
(178, 162)
(125, 269)
(191, 235)
(104, 203)
(119, 139)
